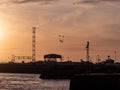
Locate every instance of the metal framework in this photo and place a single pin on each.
(33, 57)
(61, 38)
(34, 44)
(23, 57)
(14, 58)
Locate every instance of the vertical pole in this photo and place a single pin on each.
(61, 40)
(34, 44)
(87, 51)
(115, 55)
(98, 58)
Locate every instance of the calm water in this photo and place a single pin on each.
(30, 82)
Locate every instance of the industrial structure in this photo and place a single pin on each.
(34, 44)
(61, 38)
(33, 56)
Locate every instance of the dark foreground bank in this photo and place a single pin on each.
(95, 82)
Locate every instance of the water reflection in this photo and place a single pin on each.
(30, 82)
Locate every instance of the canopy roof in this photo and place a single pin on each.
(52, 56)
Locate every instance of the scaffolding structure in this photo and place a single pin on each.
(34, 44)
(33, 57)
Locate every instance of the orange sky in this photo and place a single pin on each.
(79, 21)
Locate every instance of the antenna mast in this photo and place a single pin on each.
(87, 52)
(115, 55)
(34, 44)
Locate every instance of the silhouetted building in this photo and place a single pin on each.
(52, 57)
(109, 60)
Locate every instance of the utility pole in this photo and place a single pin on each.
(87, 52)
(115, 55)
(61, 40)
(34, 44)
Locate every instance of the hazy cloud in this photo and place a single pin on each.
(113, 30)
(28, 1)
(94, 1)
(25, 1)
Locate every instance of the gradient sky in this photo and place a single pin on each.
(97, 21)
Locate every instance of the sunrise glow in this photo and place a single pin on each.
(2, 33)
(78, 21)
